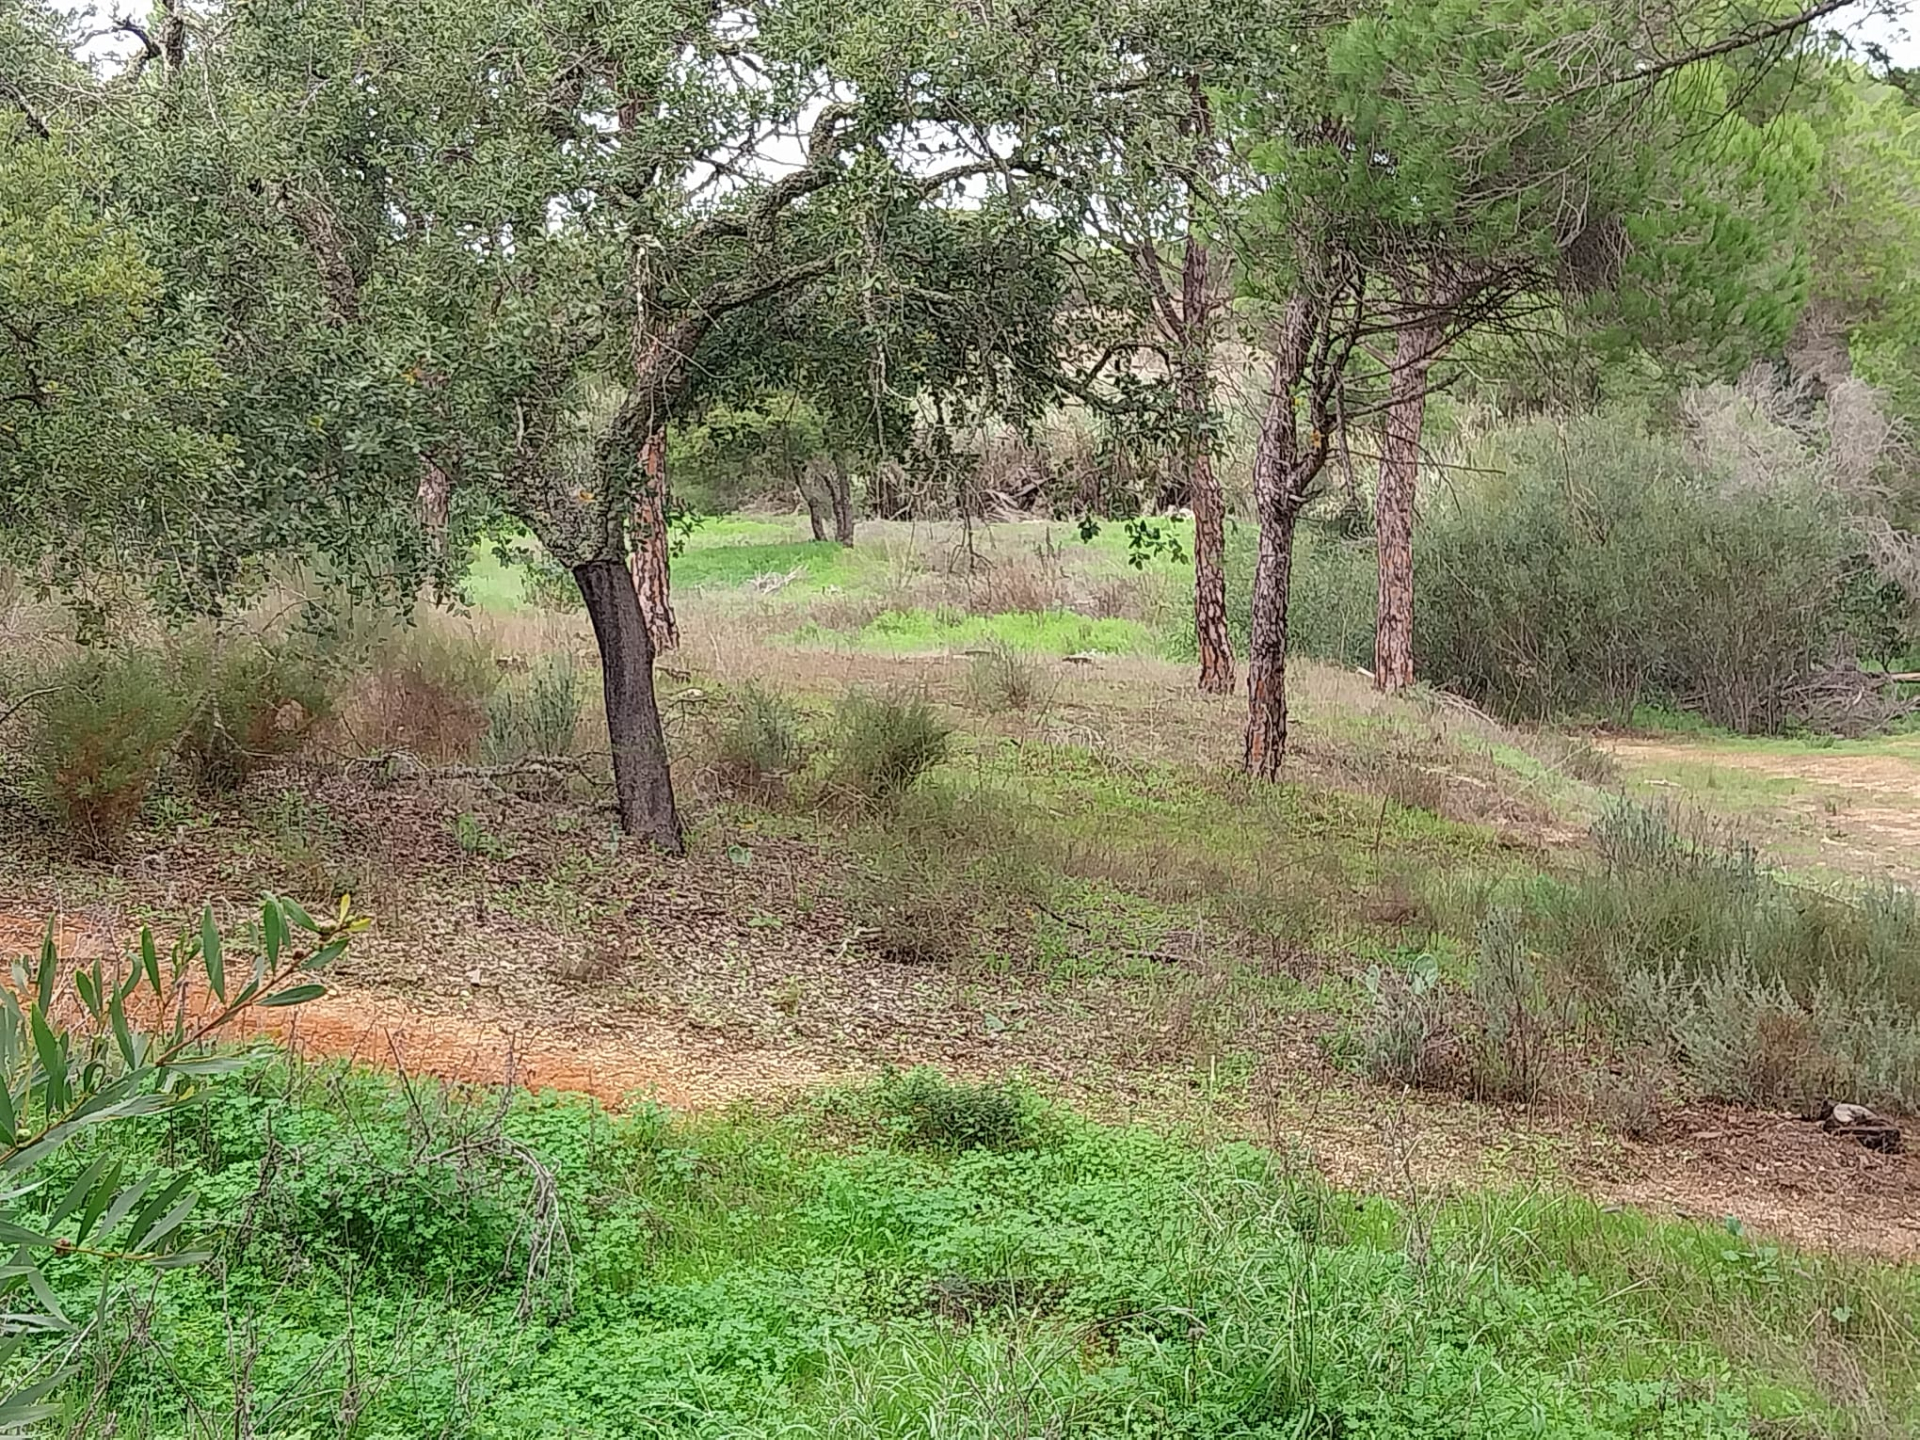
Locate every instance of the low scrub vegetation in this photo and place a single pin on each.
(426, 691)
(1754, 989)
(884, 743)
(254, 701)
(535, 712)
(1001, 678)
(924, 1252)
(104, 724)
(950, 877)
(760, 744)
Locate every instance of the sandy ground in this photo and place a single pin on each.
(1852, 813)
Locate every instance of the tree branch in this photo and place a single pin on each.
(1741, 40)
(34, 122)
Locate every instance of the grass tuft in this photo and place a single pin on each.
(886, 743)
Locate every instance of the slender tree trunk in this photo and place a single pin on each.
(840, 493)
(1202, 485)
(1191, 318)
(1283, 471)
(1393, 508)
(641, 779)
(814, 517)
(1266, 742)
(816, 488)
(652, 580)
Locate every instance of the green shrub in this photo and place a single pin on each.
(101, 733)
(1762, 991)
(760, 743)
(115, 1061)
(1596, 568)
(1605, 569)
(924, 1110)
(1510, 1031)
(254, 702)
(885, 743)
(1001, 678)
(536, 712)
(1404, 1037)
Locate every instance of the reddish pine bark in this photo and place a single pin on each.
(652, 581)
(1203, 486)
(1290, 453)
(1266, 737)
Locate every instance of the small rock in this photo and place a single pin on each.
(1863, 1126)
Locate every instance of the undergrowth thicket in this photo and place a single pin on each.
(928, 1258)
(1679, 948)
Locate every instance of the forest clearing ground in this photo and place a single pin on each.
(537, 950)
(551, 957)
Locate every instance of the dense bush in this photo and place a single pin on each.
(924, 1109)
(254, 701)
(105, 723)
(885, 743)
(1605, 569)
(1592, 567)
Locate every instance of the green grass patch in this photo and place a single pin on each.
(494, 585)
(717, 564)
(1050, 632)
(718, 530)
(923, 1258)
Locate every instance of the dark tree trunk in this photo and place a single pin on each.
(1266, 740)
(1393, 508)
(652, 580)
(814, 517)
(641, 779)
(840, 495)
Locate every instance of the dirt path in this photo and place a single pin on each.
(1887, 775)
(621, 1060)
(1778, 1175)
(1846, 811)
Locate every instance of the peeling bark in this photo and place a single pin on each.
(650, 553)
